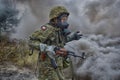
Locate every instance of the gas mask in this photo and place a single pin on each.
(62, 24)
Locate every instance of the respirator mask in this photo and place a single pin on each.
(62, 22)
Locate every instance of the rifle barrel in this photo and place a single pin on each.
(73, 54)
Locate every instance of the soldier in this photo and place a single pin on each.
(46, 39)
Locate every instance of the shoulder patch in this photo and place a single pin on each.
(43, 28)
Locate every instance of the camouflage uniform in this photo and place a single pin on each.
(50, 35)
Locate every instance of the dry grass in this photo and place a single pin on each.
(16, 52)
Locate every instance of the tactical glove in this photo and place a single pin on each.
(74, 36)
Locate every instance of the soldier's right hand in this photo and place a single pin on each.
(61, 52)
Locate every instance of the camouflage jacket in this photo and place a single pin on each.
(49, 35)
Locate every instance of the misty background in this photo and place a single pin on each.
(98, 20)
(88, 16)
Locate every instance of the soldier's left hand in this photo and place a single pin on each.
(74, 36)
(77, 35)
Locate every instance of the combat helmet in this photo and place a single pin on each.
(57, 11)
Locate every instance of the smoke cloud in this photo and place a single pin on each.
(88, 16)
(102, 58)
(98, 18)
(91, 17)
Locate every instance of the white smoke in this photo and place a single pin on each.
(102, 60)
(96, 16)
(88, 16)
(27, 24)
(99, 18)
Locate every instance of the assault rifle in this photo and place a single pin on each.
(69, 53)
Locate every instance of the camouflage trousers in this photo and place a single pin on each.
(47, 72)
